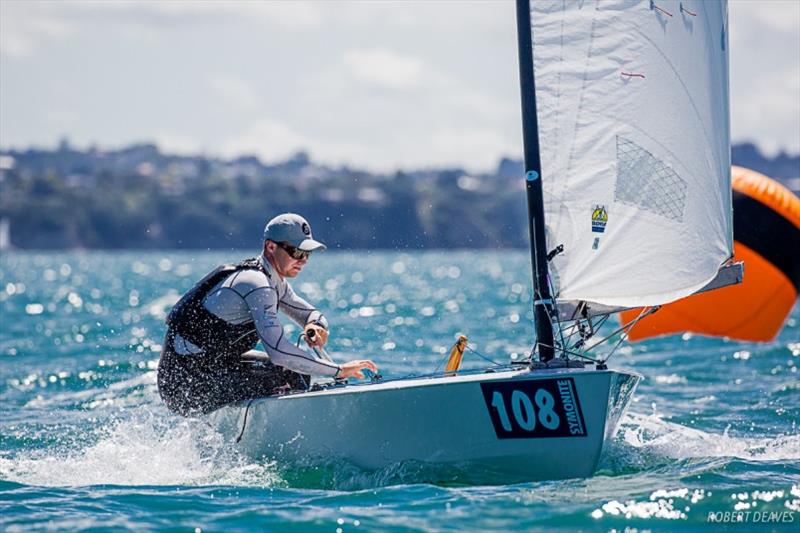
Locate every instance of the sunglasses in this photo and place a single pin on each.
(294, 252)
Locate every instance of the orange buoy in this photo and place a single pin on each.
(766, 231)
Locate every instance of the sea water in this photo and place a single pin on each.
(710, 440)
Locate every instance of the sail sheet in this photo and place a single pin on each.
(634, 129)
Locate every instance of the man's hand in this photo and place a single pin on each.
(315, 335)
(353, 369)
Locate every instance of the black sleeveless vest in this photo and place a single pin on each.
(218, 339)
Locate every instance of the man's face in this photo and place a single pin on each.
(285, 265)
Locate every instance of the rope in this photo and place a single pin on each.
(476, 352)
(438, 366)
(626, 326)
(576, 354)
(645, 312)
(554, 314)
(244, 422)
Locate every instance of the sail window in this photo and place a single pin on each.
(647, 182)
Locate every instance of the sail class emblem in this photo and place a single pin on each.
(599, 218)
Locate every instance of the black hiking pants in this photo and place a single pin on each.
(199, 384)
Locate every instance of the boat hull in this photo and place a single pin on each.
(509, 426)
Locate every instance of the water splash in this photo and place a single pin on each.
(651, 433)
(143, 449)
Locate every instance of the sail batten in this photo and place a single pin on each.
(635, 135)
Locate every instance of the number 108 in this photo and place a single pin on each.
(524, 412)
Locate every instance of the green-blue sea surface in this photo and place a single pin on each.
(710, 440)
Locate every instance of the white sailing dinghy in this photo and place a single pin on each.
(629, 206)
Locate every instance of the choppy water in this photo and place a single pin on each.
(86, 444)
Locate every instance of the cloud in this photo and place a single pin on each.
(776, 15)
(25, 28)
(773, 121)
(270, 139)
(287, 15)
(62, 119)
(235, 91)
(477, 147)
(284, 15)
(384, 68)
(765, 74)
(274, 140)
(371, 84)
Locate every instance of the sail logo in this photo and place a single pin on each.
(599, 218)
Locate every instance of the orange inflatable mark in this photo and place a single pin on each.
(766, 218)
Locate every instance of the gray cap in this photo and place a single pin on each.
(293, 229)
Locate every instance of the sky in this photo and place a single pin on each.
(378, 85)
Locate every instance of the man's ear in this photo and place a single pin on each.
(269, 246)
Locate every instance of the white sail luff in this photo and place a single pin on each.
(633, 118)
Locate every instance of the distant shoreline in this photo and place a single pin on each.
(138, 198)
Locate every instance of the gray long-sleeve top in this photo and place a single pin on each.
(252, 295)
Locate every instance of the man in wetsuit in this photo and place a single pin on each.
(209, 358)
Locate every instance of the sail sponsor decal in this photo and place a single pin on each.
(599, 218)
(542, 408)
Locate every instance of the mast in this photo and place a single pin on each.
(542, 299)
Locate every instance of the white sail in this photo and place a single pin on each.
(632, 100)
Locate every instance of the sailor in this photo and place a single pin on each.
(209, 360)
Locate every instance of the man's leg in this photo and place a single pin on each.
(259, 364)
(192, 385)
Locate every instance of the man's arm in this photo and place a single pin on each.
(300, 310)
(262, 302)
(263, 305)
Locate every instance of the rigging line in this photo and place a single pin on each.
(436, 370)
(427, 376)
(583, 331)
(614, 349)
(649, 310)
(535, 342)
(645, 312)
(600, 323)
(593, 327)
(434, 374)
(439, 365)
(576, 354)
(574, 331)
(476, 352)
(561, 334)
(554, 309)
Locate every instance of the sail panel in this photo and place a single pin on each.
(632, 98)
